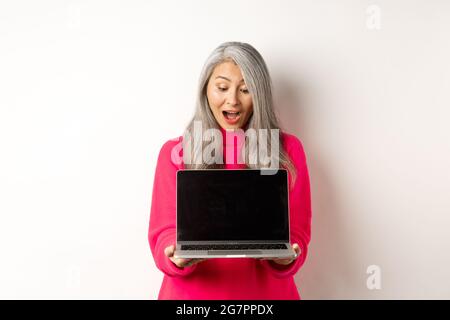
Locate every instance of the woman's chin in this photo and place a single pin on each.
(230, 127)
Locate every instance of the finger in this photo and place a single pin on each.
(197, 260)
(296, 248)
(169, 251)
(283, 261)
(184, 261)
(194, 261)
(188, 263)
(180, 262)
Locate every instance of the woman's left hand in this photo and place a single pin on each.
(285, 262)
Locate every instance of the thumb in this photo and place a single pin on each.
(168, 251)
(297, 249)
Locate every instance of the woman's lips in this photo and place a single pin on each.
(231, 117)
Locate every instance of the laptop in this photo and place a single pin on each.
(233, 213)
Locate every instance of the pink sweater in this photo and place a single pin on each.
(233, 278)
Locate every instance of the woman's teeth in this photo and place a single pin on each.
(231, 115)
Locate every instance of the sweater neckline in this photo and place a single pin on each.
(228, 137)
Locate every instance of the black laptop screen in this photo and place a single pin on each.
(232, 205)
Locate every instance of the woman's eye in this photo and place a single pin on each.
(224, 89)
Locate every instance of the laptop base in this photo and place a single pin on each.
(205, 254)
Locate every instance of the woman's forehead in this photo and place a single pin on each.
(228, 73)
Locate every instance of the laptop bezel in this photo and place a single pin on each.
(229, 241)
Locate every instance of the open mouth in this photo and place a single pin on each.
(231, 115)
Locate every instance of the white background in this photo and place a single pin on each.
(90, 90)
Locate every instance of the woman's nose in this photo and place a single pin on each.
(232, 98)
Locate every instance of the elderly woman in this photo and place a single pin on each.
(235, 93)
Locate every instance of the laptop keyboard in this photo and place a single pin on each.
(233, 246)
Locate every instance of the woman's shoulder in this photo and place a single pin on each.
(171, 143)
(290, 141)
(294, 147)
(169, 151)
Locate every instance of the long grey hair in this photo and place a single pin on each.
(257, 79)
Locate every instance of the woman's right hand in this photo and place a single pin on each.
(180, 262)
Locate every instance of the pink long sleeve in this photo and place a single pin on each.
(162, 232)
(221, 278)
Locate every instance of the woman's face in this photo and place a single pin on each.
(228, 96)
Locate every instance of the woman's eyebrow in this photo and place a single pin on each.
(227, 78)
